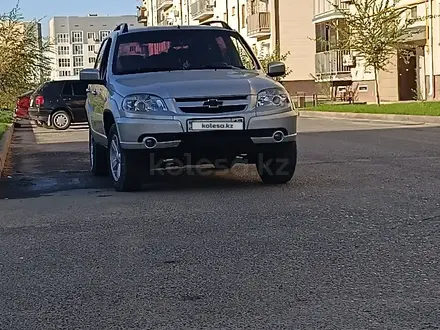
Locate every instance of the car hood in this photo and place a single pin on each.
(194, 83)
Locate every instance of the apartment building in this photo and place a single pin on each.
(77, 40)
(263, 23)
(406, 78)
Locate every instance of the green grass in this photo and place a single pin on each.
(3, 128)
(5, 119)
(407, 108)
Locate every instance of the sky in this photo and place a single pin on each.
(46, 9)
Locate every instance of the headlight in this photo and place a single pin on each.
(275, 97)
(144, 103)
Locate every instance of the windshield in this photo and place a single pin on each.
(169, 50)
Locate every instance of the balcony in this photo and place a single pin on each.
(202, 9)
(164, 4)
(165, 21)
(333, 65)
(327, 10)
(142, 15)
(258, 25)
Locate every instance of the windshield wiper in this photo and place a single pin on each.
(147, 70)
(219, 66)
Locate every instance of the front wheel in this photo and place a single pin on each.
(124, 167)
(277, 164)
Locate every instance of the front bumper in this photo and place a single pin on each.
(172, 133)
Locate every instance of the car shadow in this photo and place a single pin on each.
(323, 160)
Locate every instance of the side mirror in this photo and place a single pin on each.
(90, 75)
(276, 69)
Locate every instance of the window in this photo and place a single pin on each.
(91, 35)
(77, 37)
(225, 17)
(64, 62)
(233, 11)
(243, 16)
(76, 71)
(92, 60)
(67, 89)
(78, 61)
(78, 49)
(104, 59)
(133, 48)
(91, 48)
(413, 12)
(180, 50)
(79, 88)
(62, 38)
(103, 35)
(100, 55)
(63, 50)
(63, 73)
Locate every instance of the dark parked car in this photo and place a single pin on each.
(59, 103)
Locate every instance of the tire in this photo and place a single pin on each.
(98, 158)
(277, 164)
(123, 166)
(61, 120)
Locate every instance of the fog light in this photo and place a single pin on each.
(150, 142)
(278, 136)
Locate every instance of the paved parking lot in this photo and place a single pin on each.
(351, 243)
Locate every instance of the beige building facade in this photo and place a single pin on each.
(407, 77)
(263, 23)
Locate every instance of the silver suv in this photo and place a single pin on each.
(190, 95)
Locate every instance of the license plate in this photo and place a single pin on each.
(233, 124)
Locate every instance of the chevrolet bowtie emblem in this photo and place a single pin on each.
(213, 103)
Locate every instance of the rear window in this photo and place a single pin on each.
(49, 87)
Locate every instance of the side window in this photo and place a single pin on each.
(67, 89)
(104, 60)
(100, 54)
(79, 89)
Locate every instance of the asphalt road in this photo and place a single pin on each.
(352, 242)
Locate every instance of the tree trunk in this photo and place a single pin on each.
(376, 85)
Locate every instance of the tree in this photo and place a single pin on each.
(24, 60)
(375, 30)
(274, 56)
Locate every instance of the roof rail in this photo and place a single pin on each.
(123, 27)
(224, 24)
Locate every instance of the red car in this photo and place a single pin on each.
(22, 107)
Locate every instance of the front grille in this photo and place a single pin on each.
(220, 98)
(221, 109)
(212, 104)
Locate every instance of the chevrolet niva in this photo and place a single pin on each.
(186, 93)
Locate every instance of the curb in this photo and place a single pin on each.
(5, 143)
(372, 116)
